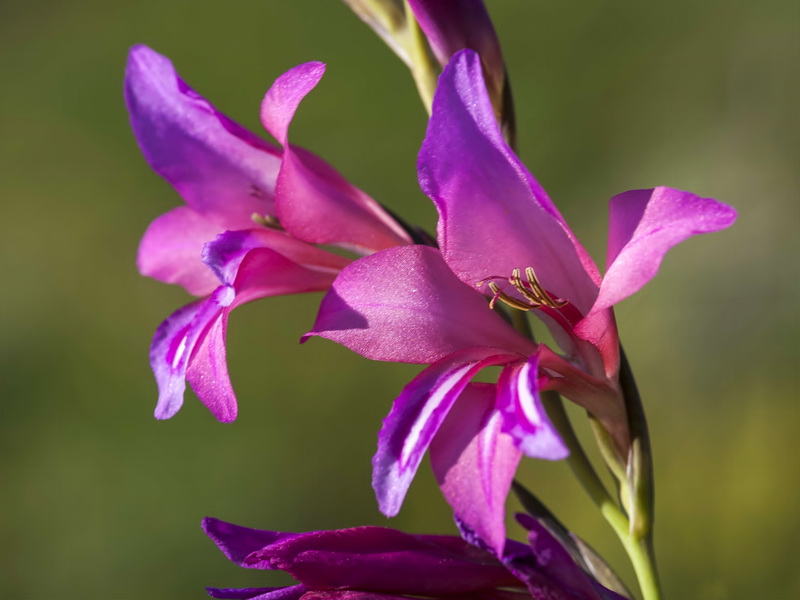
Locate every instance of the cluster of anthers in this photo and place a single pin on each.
(529, 288)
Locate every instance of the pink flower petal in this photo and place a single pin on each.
(261, 273)
(174, 344)
(313, 201)
(524, 417)
(475, 462)
(405, 305)
(286, 94)
(316, 204)
(171, 250)
(493, 215)
(223, 256)
(220, 169)
(207, 371)
(644, 225)
(416, 417)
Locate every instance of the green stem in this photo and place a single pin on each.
(577, 460)
(638, 548)
(640, 551)
(644, 565)
(423, 68)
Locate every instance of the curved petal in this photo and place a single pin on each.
(264, 272)
(171, 250)
(415, 418)
(405, 305)
(259, 273)
(524, 417)
(286, 94)
(643, 226)
(219, 168)
(224, 254)
(207, 371)
(493, 215)
(313, 201)
(175, 342)
(190, 344)
(379, 559)
(237, 542)
(294, 592)
(474, 463)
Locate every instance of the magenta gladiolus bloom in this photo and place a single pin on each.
(502, 241)
(253, 214)
(371, 563)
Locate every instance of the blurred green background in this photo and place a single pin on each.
(100, 501)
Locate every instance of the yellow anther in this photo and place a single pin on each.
(534, 295)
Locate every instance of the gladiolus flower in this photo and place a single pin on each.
(371, 563)
(254, 213)
(502, 242)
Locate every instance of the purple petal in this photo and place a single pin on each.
(384, 560)
(220, 169)
(237, 542)
(455, 25)
(352, 595)
(524, 417)
(405, 305)
(474, 463)
(286, 94)
(493, 215)
(294, 592)
(555, 569)
(415, 418)
(190, 345)
(174, 344)
(171, 248)
(313, 201)
(260, 273)
(644, 224)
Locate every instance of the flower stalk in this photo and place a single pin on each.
(423, 68)
(635, 536)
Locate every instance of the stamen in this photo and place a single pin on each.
(529, 288)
